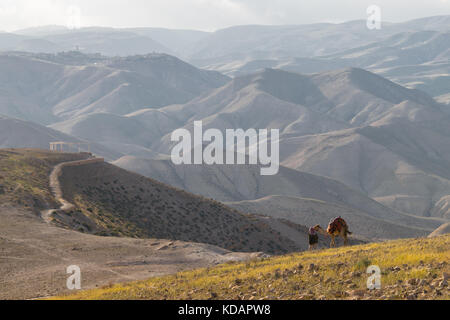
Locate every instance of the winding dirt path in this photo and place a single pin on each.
(55, 186)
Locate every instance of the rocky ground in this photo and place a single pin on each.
(409, 270)
(34, 256)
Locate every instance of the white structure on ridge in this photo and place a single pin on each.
(58, 146)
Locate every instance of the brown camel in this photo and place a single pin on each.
(336, 228)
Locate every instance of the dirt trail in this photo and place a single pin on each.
(55, 186)
(35, 253)
(34, 256)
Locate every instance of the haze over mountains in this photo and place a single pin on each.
(358, 128)
(34, 88)
(18, 133)
(363, 115)
(316, 198)
(250, 42)
(413, 53)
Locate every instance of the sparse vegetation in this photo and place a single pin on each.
(411, 269)
(24, 176)
(121, 203)
(363, 263)
(114, 202)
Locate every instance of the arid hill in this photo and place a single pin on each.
(110, 201)
(35, 251)
(386, 141)
(444, 229)
(411, 269)
(118, 202)
(300, 197)
(57, 89)
(15, 133)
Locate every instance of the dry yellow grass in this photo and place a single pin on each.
(24, 175)
(411, 269)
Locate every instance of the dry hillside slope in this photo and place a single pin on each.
(118, 202)
(34, 256)
(410, 269)
(112, 201)
(35, 252)
(15, 133)
(283, 195)
(57, 89)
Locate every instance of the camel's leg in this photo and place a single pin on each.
(332, 244)
(345, 239)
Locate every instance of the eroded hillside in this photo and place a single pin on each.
(110, 201)
(119, 202)
(35, 252)
(24, 176)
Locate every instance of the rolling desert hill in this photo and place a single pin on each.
(340, 124)
(297, 105)
(411, 269)
(253, 42)
(232, 44)
(309, 211)
(110, 201)
(384, 141)
(231, 106)
(138, 129)
(360, 96)
(284, 196)
(122, 227)
(133, 133)
(413, 57)
(401, 163)
(107, 41)
(35, 256)
(15, 133)
(56, 91)
(412, 53)
(364, 129)
(263, 42)
(17, 42)
(235, 104)
(178, 41)
(353, 96)
(120, 202)
(442, 230)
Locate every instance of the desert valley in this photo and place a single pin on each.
(364, 133)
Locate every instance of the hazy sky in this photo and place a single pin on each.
(205, 14)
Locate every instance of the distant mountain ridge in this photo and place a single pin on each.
(56, 91)
(383, 140)
(16, 133)
(363, 117)
(413, 53)
(261, 42)
(353, 126)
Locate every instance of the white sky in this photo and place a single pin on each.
(206, 14)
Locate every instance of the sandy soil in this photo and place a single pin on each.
(34, 256)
